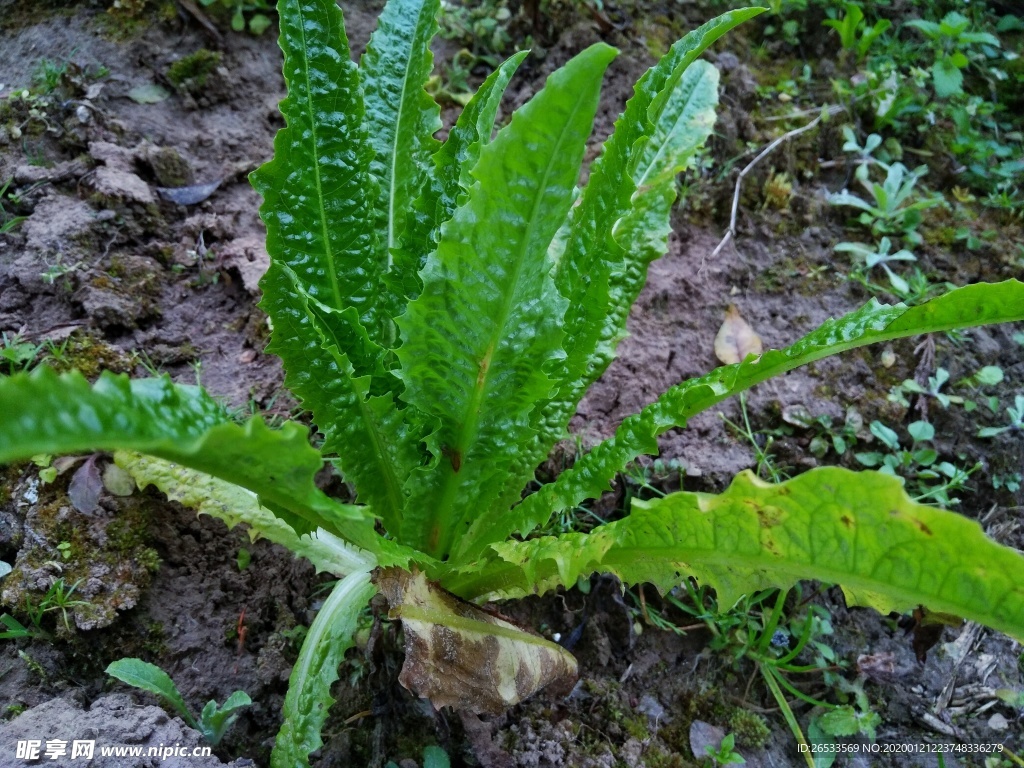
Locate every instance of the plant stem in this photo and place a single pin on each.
(794, 726)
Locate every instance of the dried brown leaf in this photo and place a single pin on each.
(85, 487)
(736, 339)
(457, 655)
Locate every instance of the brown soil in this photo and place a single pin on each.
(136, 282)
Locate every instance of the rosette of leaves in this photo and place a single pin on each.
(441, 308)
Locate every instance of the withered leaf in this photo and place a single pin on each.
(457, 655)
(85, 487)
(927, 627)
(736, 339)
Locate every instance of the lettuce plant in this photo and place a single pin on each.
(441, 308)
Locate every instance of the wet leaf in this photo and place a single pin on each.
(458, 655)
(85, 487)
(736, 339)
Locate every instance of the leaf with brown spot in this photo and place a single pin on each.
(457, 655)
(736, 339)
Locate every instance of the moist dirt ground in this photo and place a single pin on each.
(111, 268)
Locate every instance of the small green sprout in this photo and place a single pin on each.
(725, 754)
(214, 721)
(1015, 424)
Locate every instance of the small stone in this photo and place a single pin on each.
(651, 707)
(998, 723)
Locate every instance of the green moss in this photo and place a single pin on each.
(90, 356)
(73, 545)
(658, 758)
(170, 169)
(189, 73)
(149, 559)
(751, 729)
(943, 237)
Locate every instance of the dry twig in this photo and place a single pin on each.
(730, 233)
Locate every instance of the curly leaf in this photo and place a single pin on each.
(46, 413)
(401, 117)
(234, 505)
(488, 319)
(376, 448)
(316, 669)
(960, 308)
(451, 177)
(858, 529)
(664, 124)
(622, 224)
(317, 191)
(457, 655)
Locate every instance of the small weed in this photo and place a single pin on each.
(953, 45)
(245, 14)
(58, 598)
(929, 481)
(1015, 423)
(760, 442)
(60, 271)
(725, 754)
(839, 438)
(7, 221)
(854, 33)
(48, 74)
(892, 208)
(214, 720)
(879, 256)
(15, 629)
(481, 27)
(18, 354)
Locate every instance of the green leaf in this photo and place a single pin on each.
(960, 308)
(452, 175)
(149, 677)
(234, 505)
(46, 413)
(487, 322)
(656, 135)
(435, 757)
(214, 720)
(947, 77)
(858, 529)
(343, 377)
(930, 29)
(316, 669)
(400, 115)
(318, 197)
(317, 191)
(618, 229)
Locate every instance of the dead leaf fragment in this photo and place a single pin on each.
(736, 339)
(150, 93)
(85, 487)
(118, 481)
(457, 655)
